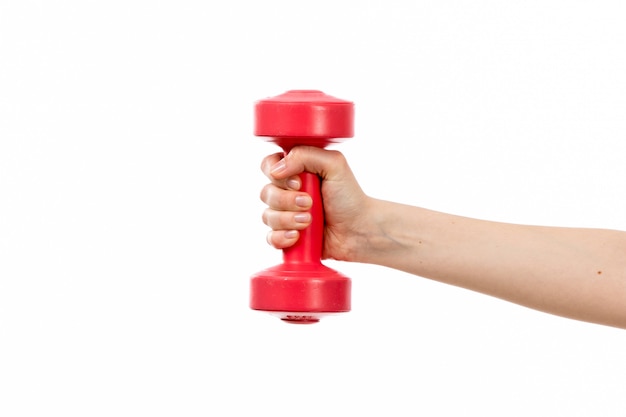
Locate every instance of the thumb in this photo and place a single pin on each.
(328, 164)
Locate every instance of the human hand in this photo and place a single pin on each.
(345, 203)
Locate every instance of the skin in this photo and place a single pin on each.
(577, 273)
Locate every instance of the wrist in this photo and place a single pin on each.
(388, 233)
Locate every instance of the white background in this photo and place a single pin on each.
(130, 218)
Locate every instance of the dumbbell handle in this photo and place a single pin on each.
(308, 248)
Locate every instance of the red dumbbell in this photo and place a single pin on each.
(302, 289)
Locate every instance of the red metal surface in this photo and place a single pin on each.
(302, 289)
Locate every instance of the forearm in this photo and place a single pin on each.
(576, 273)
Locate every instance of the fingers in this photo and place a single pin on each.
(286, 220)
(283, 169)
(285, 227)
(274, 164)
(286, 214)
(285, 200)
(281, 239)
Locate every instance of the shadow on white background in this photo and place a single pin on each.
(130, 218)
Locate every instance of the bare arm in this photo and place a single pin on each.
(577, 273)
(571, 272)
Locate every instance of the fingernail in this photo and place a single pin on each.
(303, 201)
(293, 183)
(290, 234)
(278, 166)
(302, 217)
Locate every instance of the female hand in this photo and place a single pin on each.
(345, 203)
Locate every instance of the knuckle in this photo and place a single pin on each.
(274, 240)
(264, 164)
(265, 193)
(337, 157)
(265, 217)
